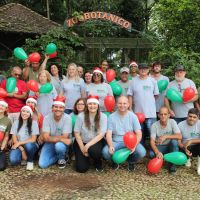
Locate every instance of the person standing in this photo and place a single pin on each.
(57, 129)
(104, 66)
(133, 66)
(16, 99)
(80, 71)
(142, 92)
(179, 110)
(156, 74)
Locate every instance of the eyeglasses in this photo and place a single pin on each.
(105, 64)
(97, 75)
(80, 104)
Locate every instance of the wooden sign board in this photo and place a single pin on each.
(99, 16)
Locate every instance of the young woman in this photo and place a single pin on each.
(56, 77)
(45, 101)
(5, 126)
(90, 128)
(99, 88)
(24, 133)
(73, 87)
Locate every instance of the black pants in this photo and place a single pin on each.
(195, 150)
(2, 160)
(82, 162)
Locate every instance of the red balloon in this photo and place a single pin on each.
(188, 94)
(154, 165)
(109, 102)
(130, 140)
(110, 75)
(1, 136)
(53, 55)
(140, 117)
(34, 57)
(33, 85)
(3, 93)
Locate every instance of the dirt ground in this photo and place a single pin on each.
(53, 183)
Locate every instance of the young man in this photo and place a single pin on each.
(16, 99)
(57, 129)
(80, 71)
(133, 69)
(190, 143)
(156, 74)
(124, 82)
(179, 111)
(142, 92)
(164, 136)
(120, 122)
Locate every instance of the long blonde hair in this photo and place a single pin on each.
(76, 78)
(47, 74)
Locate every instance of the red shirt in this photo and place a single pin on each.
(15, 104)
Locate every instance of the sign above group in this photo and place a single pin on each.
(97, 15)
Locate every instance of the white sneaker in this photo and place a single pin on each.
(29, 166)
(198, 165)
(188, 163)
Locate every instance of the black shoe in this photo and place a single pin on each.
(131, 167)
(61, 163)
(172, 169)
(115, 166)
(99, 169)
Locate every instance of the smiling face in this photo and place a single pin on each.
(144, 72)
(124, 76)
(3, 109)
(104, 66)
(157, 69)
(58, 110)
(54, 70)
(92, 107)
(97, 77)
(72, 71)
(25, 114)
(80, 106)
(122, 104)
(88, 78)
(42, 78)
(180, 75)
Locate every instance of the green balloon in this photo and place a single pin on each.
(174, 95)
(107, 113)
(121, 155)
(11, 84)
(162, 85)
(51, 48)
(74, 117)
(20, 53)
(116, 88)
(177, 158)
(46, 88)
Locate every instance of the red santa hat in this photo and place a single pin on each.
(32, 99)
(3, 103)
(27, 108)
(93, 99)
(59, 101)
(97, 70)
(133, 63)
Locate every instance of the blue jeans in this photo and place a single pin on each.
(51, 153)
(146, 129)
(68, 111)
(16, 154)
(171, 147)
(139, 152)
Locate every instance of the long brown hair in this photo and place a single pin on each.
(96, 119)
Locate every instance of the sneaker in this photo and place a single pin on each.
(131, 167)
(115, 166)
(188, 163)
(99, 169)
(198, 165)
(29, 166)
(172, 169)
(61, 163)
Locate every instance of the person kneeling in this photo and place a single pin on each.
(190, 130)
(89, 130)
(120, 122)
(164, 136)
(56, 131)
(24, 133)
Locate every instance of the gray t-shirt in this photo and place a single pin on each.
(160, 99)
(170, 129)
(56, 82)
(189, 132)
(119, 125)
(23, 134)
(57, 128)
(88, 134)
(143, 91)
(124, 86)
(72, 91)
(101, 90)
(181, 109)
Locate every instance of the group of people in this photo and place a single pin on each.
(43, 124)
